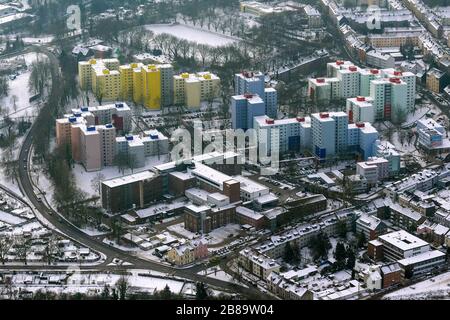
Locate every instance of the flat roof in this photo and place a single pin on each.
(249, 213)
(181, 175)
(250, 185)
(197, 192)
(112, 183)
(403, 240)
(217, 196)
(422, 257)
(197, 209)
(267, 198)
(210, 174)
(262, 121)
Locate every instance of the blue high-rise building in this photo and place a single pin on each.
(271, 100)
(253, 82)
(244, 108)
(249, 82)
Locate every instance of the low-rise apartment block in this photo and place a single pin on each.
(374, 169)
(133, 191)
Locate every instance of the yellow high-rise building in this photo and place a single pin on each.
(191, 89)
(151, 85)
(100, 76)
(138, 89)
(179, 88)
(126, 81)
(106, 84)
(85, 73)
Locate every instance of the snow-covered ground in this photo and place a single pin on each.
(418, 114)
(7, 182)
(95, 282)
(192, 34)
(179, 229)
(19, 88)
(9, 218)
(217, 273)
(216, 236)
(437, 287)
(20, 221)
(31, 40)
(219, 235)
(93, 232)
(404, 147)
(84, 179)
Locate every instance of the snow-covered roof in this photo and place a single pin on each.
(433, 254)
(250, 186)
(369, 221)
(249, 213)
(403, 240)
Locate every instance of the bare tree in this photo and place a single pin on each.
(122, 287)
(51, 250)
(121, 161)
(99, 92)
(13, 100)
(203, 51)
(6, 243)
(23, 247)
(132, 162)
(96, 181)
(9, 285)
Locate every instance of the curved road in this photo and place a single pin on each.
(110, 252)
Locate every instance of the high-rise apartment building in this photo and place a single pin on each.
(392, 92)
(360, 109)
(138, 147)
(191, 89)
(286, 134)
(91, 135)
(254, 83)
(151, 85)
(243, 110)
(324, 134)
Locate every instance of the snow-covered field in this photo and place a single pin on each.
(88, 283)
(7, 182)
(221, 234)
(217, 273)
(192, 34)
(434, 288)
(418, 114)
(84, 179)
(30, 40)
(9, 218)
(19, 88)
